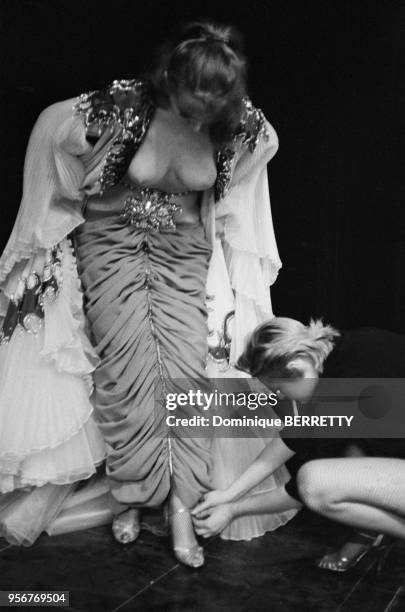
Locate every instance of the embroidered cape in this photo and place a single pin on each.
(127, 103)
(72, 155)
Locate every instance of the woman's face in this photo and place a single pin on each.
(193, 108)
(299, 388)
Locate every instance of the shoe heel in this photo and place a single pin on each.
(191, 556)
(342, 563)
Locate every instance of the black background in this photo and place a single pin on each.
(327, 74)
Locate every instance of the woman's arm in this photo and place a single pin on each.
(272, 457)
(277, 500)
(216, 519)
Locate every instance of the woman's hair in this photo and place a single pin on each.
(207, 58)
(274, 344)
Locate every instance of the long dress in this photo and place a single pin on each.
(149, 327)
(151, 317)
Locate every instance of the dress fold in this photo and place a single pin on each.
(149, 328)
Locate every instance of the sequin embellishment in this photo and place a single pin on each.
(251, 128)
(219, 341)
(125, 104)
(150, 209)
(26, 307)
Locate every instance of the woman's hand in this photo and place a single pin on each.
(210, 500)
(216, 521)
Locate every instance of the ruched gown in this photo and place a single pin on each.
(145, 302)
(144, 296)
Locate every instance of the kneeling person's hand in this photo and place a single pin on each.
(214, 522)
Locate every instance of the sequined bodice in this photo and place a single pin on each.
(126, 109)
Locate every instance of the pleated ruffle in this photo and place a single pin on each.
(47, 433)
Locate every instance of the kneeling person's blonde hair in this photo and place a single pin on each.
(274, 344)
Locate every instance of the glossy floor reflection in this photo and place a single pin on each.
(274, 573)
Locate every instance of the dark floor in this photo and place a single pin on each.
(274, 573)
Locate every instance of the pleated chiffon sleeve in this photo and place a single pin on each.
(244, 264)
(52, 195)
(241, 224)
(46, 360)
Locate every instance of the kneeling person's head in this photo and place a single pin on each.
(288, 356)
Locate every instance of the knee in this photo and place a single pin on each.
(313, 487)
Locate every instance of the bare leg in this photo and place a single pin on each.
(185, 544)
(353, 550)
(367, 493)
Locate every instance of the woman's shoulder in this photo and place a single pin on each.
(119, 117)
(254, 142)
(55, 113)
(125, 101)
(367, 352)
(56, 126)
(253, 126)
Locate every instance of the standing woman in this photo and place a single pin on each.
(154, 175)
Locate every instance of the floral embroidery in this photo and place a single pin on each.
(125, 104)
(26, 306)
(151, 210)
(219, 341)
(224, 162)
(251, 128)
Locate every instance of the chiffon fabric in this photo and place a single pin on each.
(24, 515)
(233, 454)
(244, 264)
(48, 438)
(61, 171)
(47, 434)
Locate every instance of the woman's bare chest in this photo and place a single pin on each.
(174, 157)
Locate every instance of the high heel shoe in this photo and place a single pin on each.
(126, 526)
(356, 548)
(192, 556)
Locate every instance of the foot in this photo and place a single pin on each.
(126, 526)
(349, 554)
(185, 546)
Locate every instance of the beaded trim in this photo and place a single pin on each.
(26, 306)
(224, 163)
(125, 103)
(150, 209)
(161, 369)
(251, 128)
(220, 352)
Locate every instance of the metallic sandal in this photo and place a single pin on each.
(126, 526)
(192, 556)
(336, 561)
